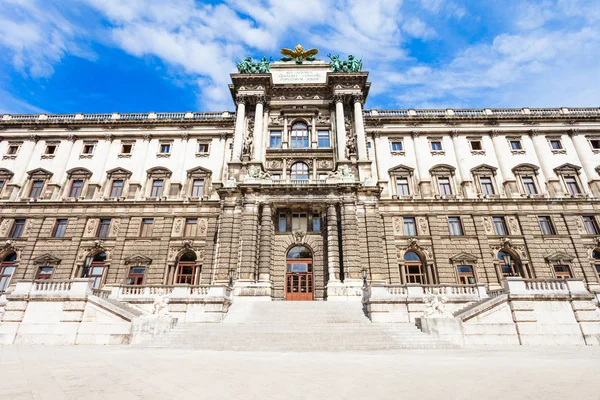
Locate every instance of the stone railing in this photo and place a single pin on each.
(487, 112)
(101, 293)
(54, 118)
(296, 182)
(149, 292)
(544, 286)
(50, 287)
(417, 292)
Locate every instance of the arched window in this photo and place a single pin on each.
(509, 264)
(299, 252)
(299, 137)
(186, 268)
(94, 269)
(7, 267)
(596, 257)
(299, 171)
(414, 268)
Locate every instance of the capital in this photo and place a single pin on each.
(534, 132)
(109, 137)
(338, 98)
(260, 99)
(376, 134)
(415, 133)
(573, 132)
(241, 99)
(494, 132)
(34, 137)
(358, 98)
(454, 133)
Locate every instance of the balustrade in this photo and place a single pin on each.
(51, 286)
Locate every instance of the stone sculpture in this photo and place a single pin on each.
(350, 65)
(298, 54)
(435, 306)
(160, 307)
(248, 145)
(248, 66)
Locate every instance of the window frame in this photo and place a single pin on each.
(500, 221)
(103, 230)
(197, 190)
(41, 276)
(59, 229)
(466, 275)
(299, 138)
(76, 192)
(409, 226)
(161, 147)
(190, 227)
(35, 192)
(546, 226)
(323, 139)
(294, 175)
(275, 139)
(18, 228)
(146, 228)
(156, 191)
(455, 226)
(594, 225)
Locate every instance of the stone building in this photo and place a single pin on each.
(301, 193)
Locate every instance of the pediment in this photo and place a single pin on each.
(199, 171)
(525, 168)
(6, 174)
(159, 172)
(138, 259)
(566, 168)
(484, 168)
(79, 172)
(39, 173)
(401, 168)
(559, 256)
(48, 259)
(442, 169)
(118, 172)
(462, 256)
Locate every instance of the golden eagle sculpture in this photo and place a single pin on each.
(298, 54)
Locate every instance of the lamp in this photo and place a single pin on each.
(86, 266)
(363, 273)
(506, 259)
(230, 277)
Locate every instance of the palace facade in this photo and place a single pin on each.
(301, 193)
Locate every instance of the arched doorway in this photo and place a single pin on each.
(7, 267)
(94, 269)
(299, 283)
(186, 268)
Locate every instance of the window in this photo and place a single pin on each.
(186, 269)
(198, 188)
(147, 227)
(282, 222)
(323, 139)
(402, 186)
(2, 182)
(202, 147)
(316, 223)
(595, 143)
(191, 227)
(507, 264)
(546, 225)
(529, 185)
(500, 226)
(275, 139)
(36, 189)
(397, 146)
(436, 145)
(13, 149)
(50, 149)
(413, 268)
(555, 144)
(455, 226)
(515, 145)
(157, 188)
(44, 273)
(126, 148)
(445, 188)
(299, 137)
(562, 272)
(60, 227)
(7, 267)
(410, 228)
(17, 229)
(136, 276)
(487, 188)
(76, 188)
(165, 148)
(299, 171)
(103, 228)
(476, 145)
(95, 270)
(88, 149)
(596, 257)
(591, 227)
(299, 222)
(116, 189)
(465, 275)
(572, 185)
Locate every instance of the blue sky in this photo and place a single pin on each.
(63, 56)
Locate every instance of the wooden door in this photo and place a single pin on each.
(299, 284)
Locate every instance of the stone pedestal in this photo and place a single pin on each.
(252, 291)
(349, 290)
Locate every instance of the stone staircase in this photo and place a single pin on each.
(296, 326)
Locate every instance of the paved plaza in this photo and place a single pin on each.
(77, 372)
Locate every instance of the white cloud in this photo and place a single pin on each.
(418, 29)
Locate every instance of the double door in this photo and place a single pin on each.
(299, 283)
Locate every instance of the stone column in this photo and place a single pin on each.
(422, 172)
(258, 129)
(240, 121)
(359, 126)
(333, 248)
(266, 237)
(544, 155)
(461, 148)
(586, 158)
(350, 243)
(249, 232)
(503, 155)
(340, 127)
(374, 227)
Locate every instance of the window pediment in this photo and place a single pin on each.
(6, 174)
(567, 168)
(79, 172)
(39, 173)
(47, 259)
(118, 173)
(559, 256)
(139, 260)
(199, 172)
(442, 169)
(159, 172)
(525, 169)
(484, 169)
(463, 257)
(401, 169)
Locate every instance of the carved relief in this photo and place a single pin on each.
(202, 227)
(397, 222)
(513, 225)
(114, 227)
(580, 226)
(276, 120)
(274, 164)
(91, 227)
(422, 226)
(325, 164)
(172, 253)
(28, 227)
(323, 120)
(487, 225)
(177, 227)
(4, 227)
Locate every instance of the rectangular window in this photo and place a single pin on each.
(465, 275)
(397, 146)
(445, 188)
(103, 228)
(76, 188)
(165, 148)
(516, 145)
(88, 149)
(476, 145)
(50, 149)
(555, 144)
(36, 189)
(323, 139)
(546, 225)
(116, 190)
(157, 188)
(275, 139)
(410, 228)
(136, 276)
(96, 274)
(147, 227)
(414, 273)
(487, 188)
(299, 222)
(198, 188)
(500, 226)
(126, 148)
(191, 227)
(60, 227)
(402, 186)
(186, 273)
(562, 272)
(455, 226)
(436, 145)
(282, 222)
(17, 229)
(1, 185)
(591, 227)
(12, 150)
(572, 185)
(202, 147)
(44, 273)
(529, 185)
(316, 223)
(595, 143)
(6, 272)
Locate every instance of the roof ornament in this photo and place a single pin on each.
(248, 66)
(298, 54)
(350, 65)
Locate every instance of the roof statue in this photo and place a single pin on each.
(248, 66)
(350, 65)
(298, 54)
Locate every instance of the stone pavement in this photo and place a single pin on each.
(81, 372)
